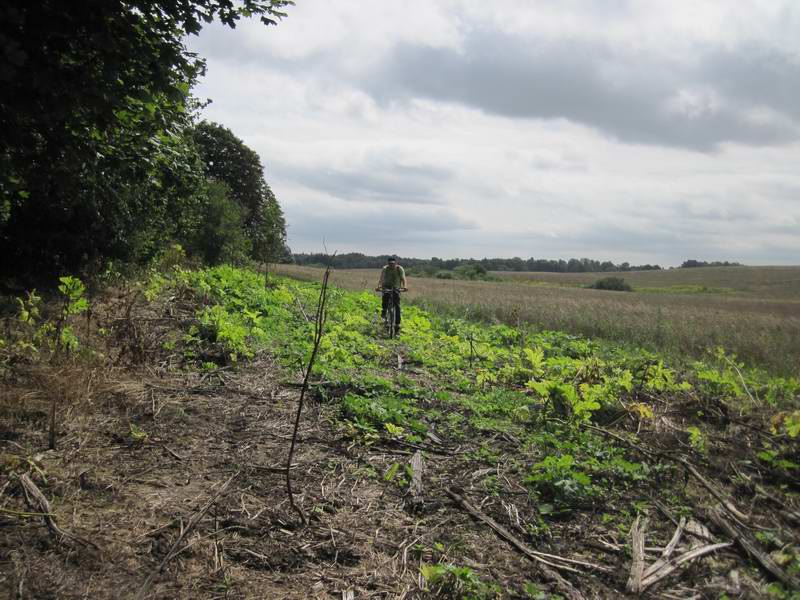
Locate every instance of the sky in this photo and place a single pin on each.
(645, 131)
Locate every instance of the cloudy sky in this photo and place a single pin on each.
(629, 130)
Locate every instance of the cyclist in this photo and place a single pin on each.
(391, 283)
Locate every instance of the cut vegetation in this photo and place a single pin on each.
(462, 460)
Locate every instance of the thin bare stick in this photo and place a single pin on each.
(193, 521)
(563, 586)
(672, 564)
(750, 546)
(319, 327)
(741, 378)
(37, 501)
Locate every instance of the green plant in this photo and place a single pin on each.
(697, 439)
(557, 478)
(462, 583)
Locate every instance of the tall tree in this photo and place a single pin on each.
(228, 160)
(94, 97)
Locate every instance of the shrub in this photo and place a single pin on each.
(614, 284)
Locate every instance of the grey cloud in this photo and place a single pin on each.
(757, 76)
(375, 181)
(391, 227)
(622, 94)
(619, 91)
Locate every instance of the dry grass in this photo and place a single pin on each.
(760, 322)
(762, 283)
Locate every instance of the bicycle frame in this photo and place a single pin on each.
(391, 314)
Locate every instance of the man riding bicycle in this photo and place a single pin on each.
(391, 283)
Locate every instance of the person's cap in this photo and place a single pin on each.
(392, 259)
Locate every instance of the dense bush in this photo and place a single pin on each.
(614, 284)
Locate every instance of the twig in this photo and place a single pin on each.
(302, 310)
(729, 506)
(718, 495)
(562, 585)
(746, 542)
(36, 500)
(319, 325)
(193, 521)
(671, 565)
(172, 452)
(741, 377)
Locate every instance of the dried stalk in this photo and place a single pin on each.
(40, 506)
(637, 548)
(319, 325)
(174, 550)
(563, 586)
(750, 546)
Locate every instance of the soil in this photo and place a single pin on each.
(138, 476)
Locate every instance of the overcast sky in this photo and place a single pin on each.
(629, 130)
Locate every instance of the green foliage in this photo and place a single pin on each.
(37, 337)
(72, 289)
(461, 583)
(95, 163)
(558, 478)
(249, 208)
(221, 236)
(614, 284)
(697, 439)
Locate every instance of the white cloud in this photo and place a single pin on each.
(656, 131)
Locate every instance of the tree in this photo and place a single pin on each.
(94, 96)
(221, 238)
(228, 160)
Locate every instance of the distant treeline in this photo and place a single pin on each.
(688, 264)
(356, 260)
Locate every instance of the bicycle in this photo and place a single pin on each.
(392, 305)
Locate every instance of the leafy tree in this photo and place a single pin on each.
(221, 237)
(94, 96)
(228, 160)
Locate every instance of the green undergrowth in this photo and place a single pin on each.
(513, 408)
(468, 381)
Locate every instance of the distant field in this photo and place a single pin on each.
(757, 316)
(774, 283)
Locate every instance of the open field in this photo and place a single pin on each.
(759, 321)
(767, 283)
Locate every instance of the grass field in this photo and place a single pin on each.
(766, 283)
(753, 312)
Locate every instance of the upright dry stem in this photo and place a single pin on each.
(319, 324)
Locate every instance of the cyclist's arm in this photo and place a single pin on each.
(380, 280)
(403, 279)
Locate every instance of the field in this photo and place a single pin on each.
(463, 460)
(763, 283)
(753, 312)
